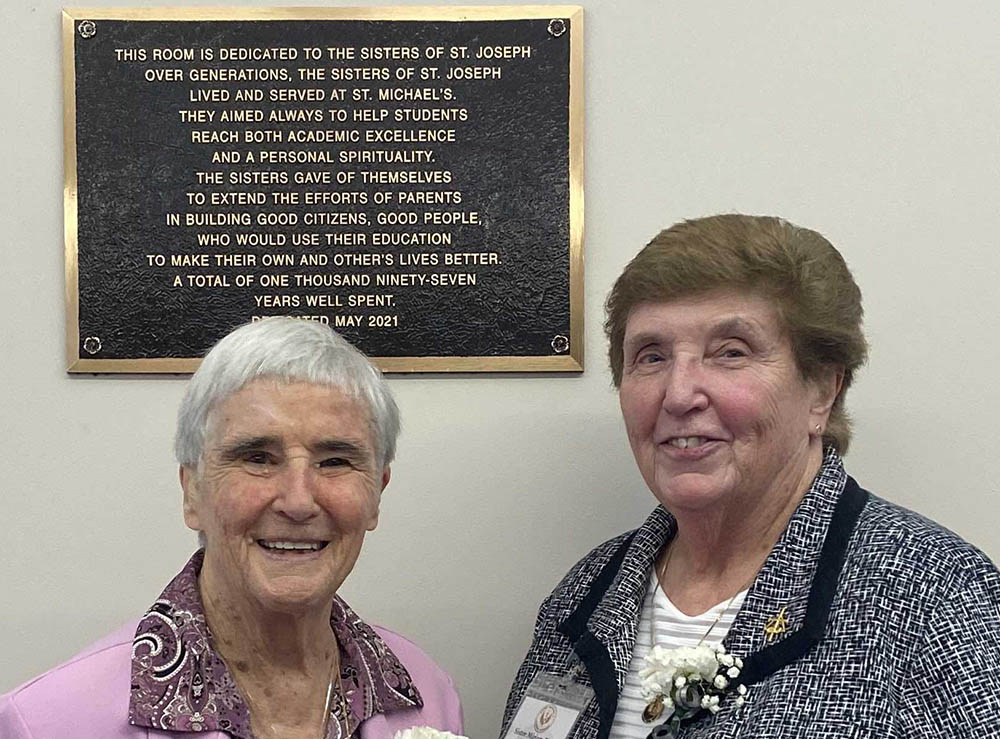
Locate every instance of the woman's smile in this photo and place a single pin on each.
(291, 551)
(690, 448)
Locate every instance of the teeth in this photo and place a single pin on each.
(687, 442)
(302, 545)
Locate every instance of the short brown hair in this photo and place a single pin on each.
(818, 301)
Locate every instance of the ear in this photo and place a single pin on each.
(826, 388)
(192, 498)
(386, 474)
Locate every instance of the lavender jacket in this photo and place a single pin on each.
(88, 697)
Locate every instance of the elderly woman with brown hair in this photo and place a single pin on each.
(768, 595)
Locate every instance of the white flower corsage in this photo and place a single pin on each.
(426, 732)
(683, 682)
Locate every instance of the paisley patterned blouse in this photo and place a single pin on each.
(180, 683)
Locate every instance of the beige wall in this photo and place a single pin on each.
(875, 123)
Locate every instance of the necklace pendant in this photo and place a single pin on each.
(653, 710)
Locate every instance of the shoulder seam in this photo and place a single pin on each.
(69, 663)
(961, 556)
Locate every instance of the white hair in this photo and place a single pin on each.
(287, 350)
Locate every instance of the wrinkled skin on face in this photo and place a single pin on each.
(716, 410)
(286, 490)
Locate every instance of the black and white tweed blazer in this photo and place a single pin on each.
(902, 639)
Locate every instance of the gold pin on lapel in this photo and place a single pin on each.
(776, 625)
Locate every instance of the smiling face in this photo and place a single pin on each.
(715, 407)
(287, 488)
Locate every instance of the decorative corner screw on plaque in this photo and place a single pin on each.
(92, 345)
(87, 29)
(560, 344)
(557, 27)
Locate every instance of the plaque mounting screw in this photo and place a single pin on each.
(89, 28)
(557, 27)
(560, 344)
(92, 345)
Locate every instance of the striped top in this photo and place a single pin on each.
(672, 629)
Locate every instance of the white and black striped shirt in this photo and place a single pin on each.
(671, 628)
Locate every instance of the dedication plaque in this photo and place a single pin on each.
(410, 176)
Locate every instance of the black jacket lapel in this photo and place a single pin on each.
(592, 652)
(602, 627)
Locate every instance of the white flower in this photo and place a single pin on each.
(700, 660)
(668, 670)
(426, 732)
(660, 668)
(663, 666)
(650, 691)
(740, 700)
(652, 685)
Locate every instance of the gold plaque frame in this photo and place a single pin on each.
(572, 361)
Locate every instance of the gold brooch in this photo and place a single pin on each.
(776, 625)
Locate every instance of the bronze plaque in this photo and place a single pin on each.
(411, 176)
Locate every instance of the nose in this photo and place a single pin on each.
(296, 494)
(684, 387)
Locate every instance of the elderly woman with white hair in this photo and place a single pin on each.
(285, 438)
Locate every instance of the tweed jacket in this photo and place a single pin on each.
(904, 642)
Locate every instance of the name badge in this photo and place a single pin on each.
(550, 709)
